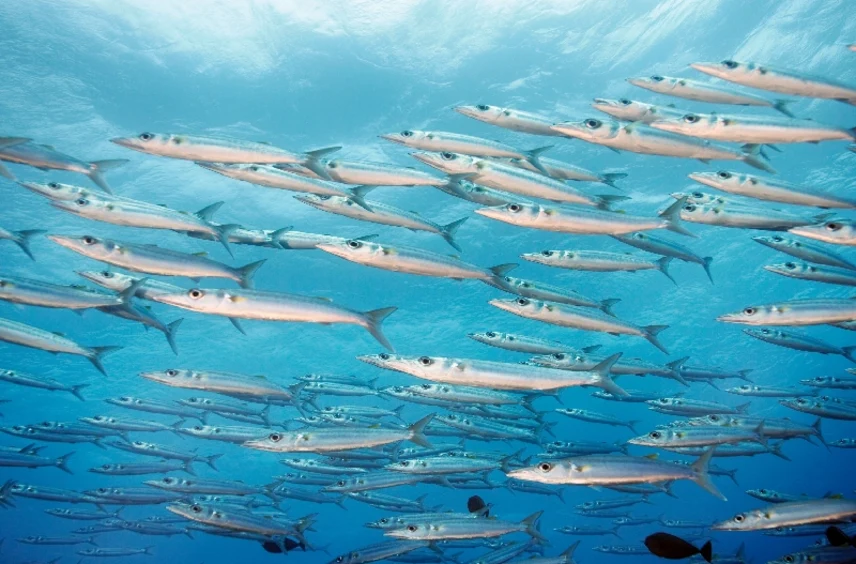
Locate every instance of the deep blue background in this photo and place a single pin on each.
(307, 74)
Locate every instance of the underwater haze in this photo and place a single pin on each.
(305, 75)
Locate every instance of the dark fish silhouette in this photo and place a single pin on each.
(477, 505)
(671, 547)
(286, 545)
(837, 537)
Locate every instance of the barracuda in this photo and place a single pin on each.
(143, 468)
(779, 80)
(598, 261)
(379, 551)
(644, 139)
(29, 336)
(276, 306)
(625, 109)
(509, 178)
(123, 424)
(41, 382)
(151, 449)
(586, 319)
(459, 187)
(604, 470)
(631, 366)
(151, 259)
(547, 292)
(508, 118)
(412, 260)
(228, 383)
(27, 291)
(524, 343)
(375, 481)
(584, 221)
(766, 391)
(229, 434)
(804, 250)
(753, 129)
(21, 238)
(705, 92)
(440, 528)
(663, 247)
(234, 520)
(795, 313)
(800, 342)
(835, 231)
(594, 417)
(154, 406)
(565, 171)
(210, 487)
(327, 440)
(824, 406)
(700, 437)
(130, 496)
(745, 217)
(21, 460)
(693, 407)
(21, 151)
(770, 189)
(496, 375)
(377, 174)
(832, 382)
(790, 514)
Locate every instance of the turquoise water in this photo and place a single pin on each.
(76, 74)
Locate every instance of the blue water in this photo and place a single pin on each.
(75, 74)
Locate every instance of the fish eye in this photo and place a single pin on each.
(729, 64)
(446, 155)
(425, 361)
(146, 136)
(833, 226)
(491, 334)
(749, 311)
(196, 508)
(790, 265)
(412, 528)
(691, 118)
(106, 467)
(624, 102)
(81, 201)
(196, 293)
(788, 558)
(522, 301)
(690, 207)
(355, 244)
(482, 107)
(698, 195)
(102, 490)
(778, 238)
(89, 240)
(407, 133)
(167, 480)
(514, 208)
(739, 517)
(545, 467)
(383, 356)
(547, 253)
(762, 491)
(275, 437)
(593, 123)
(53, 185)
(655, 434)
(340, 483)
(198, 428)
(724, 174)
(172, 372)
(559, 356)
(193, 400)
(657, 78)
(340, 559)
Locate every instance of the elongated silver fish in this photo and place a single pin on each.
(780, 80)
(790, 514)
(835, 231)
(584, 221)
(561, 170)
(509, 178)
(705, 92)
(460, 187)
(693, 407)
(647, 242)
(632, 110)
(508, 118)
(234, 519)
(770, 189)
(45, 157)
(644, 139)
(152, 449)
(379, 551)
(804, 250)
(440, 528)
(276, 306)
(754, 390)
(598, 261)
(800, 342)
(21, 460)
(326, 440)
(377, 174)
(155, 406)
(594, 417)
(412, 260)
(152, 259)
(45, 294)
(124, 424)
(586, 319)
(496, 375)
(229, 434)
(29, 336)
(753, 129)
(524, 343)
(143, 468)
(832, 382)
(384, 214)
(550, 293)
(823, 406)
(21, 238)
(699, 436)
(41, 382)
(610, 469)
(744, 217)
(795, 313)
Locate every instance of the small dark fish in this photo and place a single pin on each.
(286, 545)
(837, 537)
(477, 505)
(671, 547)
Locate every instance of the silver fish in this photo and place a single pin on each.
(598, 261)
(795, 313)
(835, 231)
(770, 189)
(663, 247)
(45, 157)
(766, 391)
(625, 109)
(41, 382)
(753, 129)
(800, 342)
(508, 118)
(376, 174)
(222, 382)
(143, 468)
(790, 514)
(705, 92)
(441, 528)
(804, 250)
(21, 238)
(524, 343)
(151, 449)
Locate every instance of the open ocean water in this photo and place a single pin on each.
(305, 75)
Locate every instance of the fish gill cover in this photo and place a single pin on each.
(357, 262)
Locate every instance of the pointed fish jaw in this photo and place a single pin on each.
(816, 232)
(472, 112)
(394, 137)
(736, 317)
(509, 305)
(672, 126)
(128, 142)
(434, 160)
(570, 129)
(66, 241)
(706, 178)
(712, 69)
(338, 249)
(639, 81)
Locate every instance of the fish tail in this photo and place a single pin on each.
(532, 157)
(12, 141)
(170, 332)
(313, 161)
(744, 374)
(358, 194)
(614, 531)
(776, 450)
(148, 550)
(98, 168)
(372, 321)
(97, 353)
(398, 411)
(672, 215)
(91, 540)
(605, 201)
(663, 266)
(609, 178)
(265, 415)
(568, 554)
(733, 475)
(651, 332)
(706, 266)
(246, 273)
(417, 432)
(22, 239)
(448, 232)
(817, 431)
(6, 173)
(75, 390)
(606, 305)
(340, 501)
(602, 378)
(531, 524)
(501, 270)
(750, 155)
(706, 551)
(210, 460)
(61, 463)
(277, 234)
(848, 353)
(632, 426)
(222, 233)
(743, 407)
(781, 106)
(176, 427)
(701, 476)
(188, 467)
